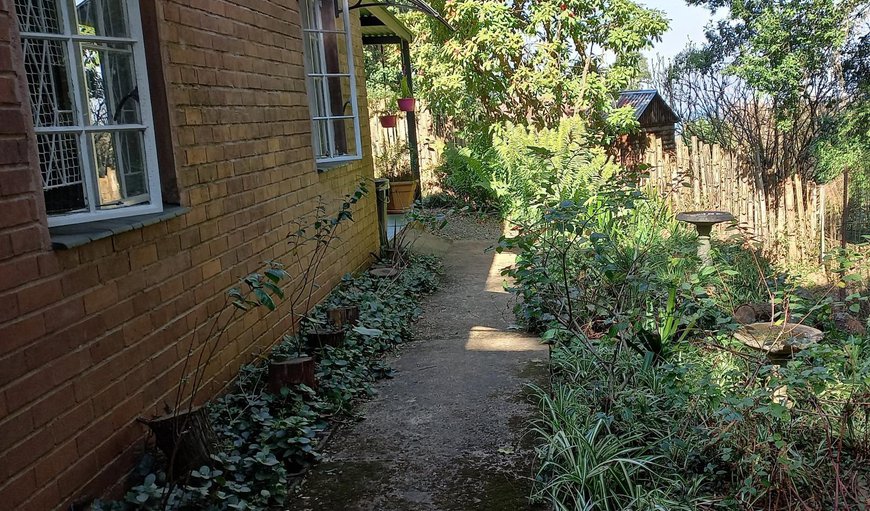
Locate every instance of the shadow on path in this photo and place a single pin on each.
(448, 432)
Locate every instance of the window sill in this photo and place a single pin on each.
(70, 236)
(326, 166)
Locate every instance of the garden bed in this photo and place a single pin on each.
(654, 403)
(266, 440)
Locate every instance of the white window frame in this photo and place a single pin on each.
(83, 129)
(315, 26)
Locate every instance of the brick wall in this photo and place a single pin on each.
(93, 337)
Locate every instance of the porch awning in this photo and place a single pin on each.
(380, 26)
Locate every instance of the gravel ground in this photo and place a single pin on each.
(462, 226)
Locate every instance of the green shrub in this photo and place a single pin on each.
(654, 404)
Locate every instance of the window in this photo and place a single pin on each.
(330, 81)
(85, 66)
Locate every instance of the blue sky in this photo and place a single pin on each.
(686, 23)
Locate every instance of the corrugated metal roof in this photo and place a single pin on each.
(642, 101)
(639, 99)
(379, 22)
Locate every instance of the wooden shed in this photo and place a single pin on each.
(657, 121)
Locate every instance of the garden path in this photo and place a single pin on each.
(448, 433)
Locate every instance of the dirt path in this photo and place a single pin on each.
(448, 432)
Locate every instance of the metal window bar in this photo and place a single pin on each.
(47, 22)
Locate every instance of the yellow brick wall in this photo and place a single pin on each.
(101, 331)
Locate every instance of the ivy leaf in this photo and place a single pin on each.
(368, 332)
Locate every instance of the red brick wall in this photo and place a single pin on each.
(93, 337)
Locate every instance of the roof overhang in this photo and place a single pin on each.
(377, 22)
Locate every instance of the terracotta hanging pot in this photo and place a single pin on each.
(407, 104)
(388, 121)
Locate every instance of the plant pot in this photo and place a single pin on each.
(289, 373)
(406, 104)
(401, 196)
(388, 121)
(185, 438)
(321, 337)
(343, 316)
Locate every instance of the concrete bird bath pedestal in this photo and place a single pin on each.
(704, 222)
(778, 341)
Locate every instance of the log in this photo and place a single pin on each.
(289, 373)
(186, 438)
(749, 313)
(343, 316)
(320, 338)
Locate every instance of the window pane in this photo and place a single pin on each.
(120, 166)
(322, 140)
(62, 178)
(102, 18)
(346, 142)
(112, 96)
(48, 82)
(334, 138)
(332, 96)
(38, 16)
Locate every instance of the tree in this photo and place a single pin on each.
(530, 61)
(778, 80)
(770, 79)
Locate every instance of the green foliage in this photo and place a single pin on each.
(264, 438)
(523, 164)
(383, 70)
(528, 61)
(653, 404)
(783, 82)
(393, 161)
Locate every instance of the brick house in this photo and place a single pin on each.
(152, 153)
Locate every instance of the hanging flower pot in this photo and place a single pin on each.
(388, 121)
(406, 104)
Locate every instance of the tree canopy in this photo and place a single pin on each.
(779, 78)
(530, 61)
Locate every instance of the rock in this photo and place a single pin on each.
(846, 322)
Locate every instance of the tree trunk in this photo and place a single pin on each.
(296, 371)
(186, 438)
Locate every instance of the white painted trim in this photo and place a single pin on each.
(73, 44)
(103, 214)
(305, 9)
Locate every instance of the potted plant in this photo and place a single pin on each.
(394, 163)
(309, 245)
(381, 101)
(406, 101)
(388, 120)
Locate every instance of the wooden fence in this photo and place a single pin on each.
(430, 144)
(795, 221)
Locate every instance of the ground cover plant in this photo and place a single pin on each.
(264, 439)
(652, 402)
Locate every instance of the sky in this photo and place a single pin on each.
(686, 23)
